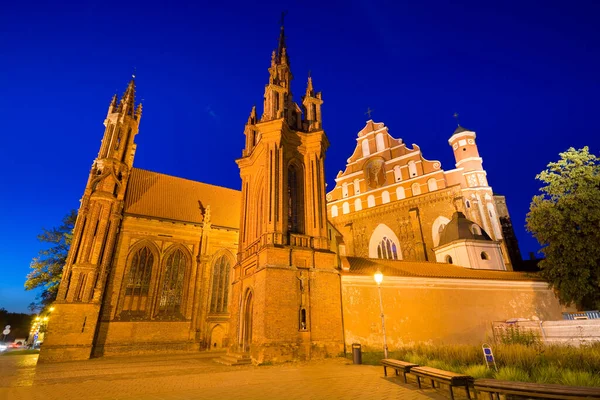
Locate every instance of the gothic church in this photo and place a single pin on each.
(283, 270)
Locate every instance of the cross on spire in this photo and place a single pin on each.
(283, 14)
(455, 115)
(369, 111)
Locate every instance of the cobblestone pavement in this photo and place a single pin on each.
(198, 377)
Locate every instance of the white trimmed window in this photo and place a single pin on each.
(365, 147)
(385, 197)
(356, 186)
(412, 169)
(334, 211)
(416, 189)
(371, 201)
(400, 193)
(432, 185)
(397, 173)
(345, 189)
(357, 205)
(379, 142)
(384, 244)
(345, 208)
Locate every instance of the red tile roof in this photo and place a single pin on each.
(368, 266)
(162, 196)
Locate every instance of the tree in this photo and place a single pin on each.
(565, 219)
(46, 268)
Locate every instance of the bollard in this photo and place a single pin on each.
(356, 353)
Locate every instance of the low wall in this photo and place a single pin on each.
(564, 332)
(438, 310)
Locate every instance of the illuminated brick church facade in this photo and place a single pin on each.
(282, 270)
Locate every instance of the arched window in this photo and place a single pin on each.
(334, 211)
(475, 230)
(384, 244)
(468, 203)
(385, 197)
(379, 142)
(371, 201)
(387, 249)
(295, 201)
(412, 169)
(357, 205)
(220, 285)
(400, 193)
(449, 259)
(416, 189)
(397, 173)
(484, 256)
(138, 282)
(365, 147)
(345, 208)
(345, 189)
(356, 186)
(432, 185)
(172, 287)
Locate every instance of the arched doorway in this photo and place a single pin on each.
(216, 337)
(247, 324)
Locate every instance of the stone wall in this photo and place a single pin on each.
(438, 311)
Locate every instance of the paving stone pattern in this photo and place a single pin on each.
(197, 377)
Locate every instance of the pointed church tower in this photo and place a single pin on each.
(285, 286)
(85, 273)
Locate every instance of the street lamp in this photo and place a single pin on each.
(379, 278)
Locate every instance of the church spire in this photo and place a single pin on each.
(311, 102)
(281, 47)
(127, 102)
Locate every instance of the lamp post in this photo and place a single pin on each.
(379, 278)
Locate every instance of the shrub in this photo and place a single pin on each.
(512, 334)
(547, 374)
(512, 374)
(579, 378)
(477, 371)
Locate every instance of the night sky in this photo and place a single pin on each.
(525, 75)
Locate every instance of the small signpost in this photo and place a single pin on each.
(6, 331)
(489, 356)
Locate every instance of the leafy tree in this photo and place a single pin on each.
(46, 268)
(565, 219)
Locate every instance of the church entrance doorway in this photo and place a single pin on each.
(247, 324)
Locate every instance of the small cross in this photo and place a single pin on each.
(456, 117)
(369, 111)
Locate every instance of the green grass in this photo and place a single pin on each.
(534, 362)
(20, 352)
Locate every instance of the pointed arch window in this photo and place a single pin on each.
(220, 285)
(172, 286)
(371, 201)
(365, 147)
(345, 208)
(295, 203)
(400, 193)
(387, 249)
(334, 211)
(385, 197)
(137, 285)
(432, 185)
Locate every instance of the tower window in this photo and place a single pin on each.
(295, 203)
(448, 259)
(484, 256)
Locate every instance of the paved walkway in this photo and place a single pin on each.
(197, 377)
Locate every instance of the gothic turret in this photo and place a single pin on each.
(311, 102)
(88, 263)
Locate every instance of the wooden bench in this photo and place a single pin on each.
(438, 375)
(535, 390)
(397, 366)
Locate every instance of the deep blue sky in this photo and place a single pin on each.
(524, 75)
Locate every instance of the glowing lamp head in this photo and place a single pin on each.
(51, 308)
(46, 318)
(37, 318)
(378, 277)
